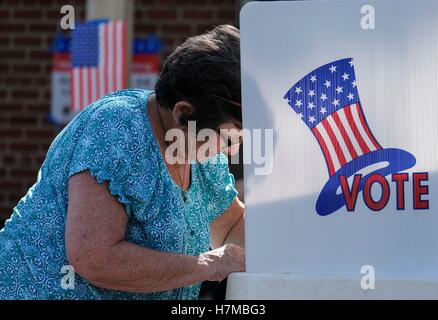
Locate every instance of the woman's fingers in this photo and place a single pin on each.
(224, 260)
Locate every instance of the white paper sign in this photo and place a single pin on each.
(350, 89)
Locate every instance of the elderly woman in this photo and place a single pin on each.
(109, 206)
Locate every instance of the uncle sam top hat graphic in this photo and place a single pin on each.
(327, 100)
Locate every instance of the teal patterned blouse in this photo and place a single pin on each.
(113, 139)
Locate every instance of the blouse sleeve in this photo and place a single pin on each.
(106, 147)
(220, 185)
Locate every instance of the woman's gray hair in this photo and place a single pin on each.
(201, 69)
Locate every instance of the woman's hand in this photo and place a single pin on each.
(224, 260)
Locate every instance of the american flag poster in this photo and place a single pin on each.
(98, 51)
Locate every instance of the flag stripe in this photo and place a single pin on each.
(340, 139)
(115, 53)
(90, 86)
(363, 134)
(81, 93)
(110, 63)
(325, 150)
(334, 142)
(119, 59)
(124, 44)
(106, 61)
(78, 97)
(346, 125)
(366, 127)
(72, 91)
(94, 81)
(84, 79)
(346, 138)
(102, 55)
(355, 129)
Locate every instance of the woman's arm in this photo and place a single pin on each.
(237, 233)
(229, 227)
(95, 246)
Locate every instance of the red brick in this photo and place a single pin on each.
(39, 27)
(11, 27)
(162, 14)
(23, 147)
(25, 160)
(177, 28)
(47, 95)
(223, 2)
(4, 67)
(140, 3)
(48, 68)
(49, 134)
(19, 94)
(15, 54)
(9, 159)
(54, 14)
(138, 15)
(13, 107)
(226, 14)
(167, 41)
(27, 68)
(20, 173)
(27, 41)
(42, 82)
(145, 28)
(4, 14)
(45, 146)
(38, 108)
(9, 184)
(25, 81)
(4, 41)
(39, 160)
(10, 133)
(14, 198)
(19, 81)
(40, 55)
(202, 28)
(23, 120)
(197, 14)
(28, 14)
(5, 212)
(9, 3)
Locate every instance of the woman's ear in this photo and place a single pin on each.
(181, 110)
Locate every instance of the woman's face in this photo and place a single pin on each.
(207, 143)
(226, 139)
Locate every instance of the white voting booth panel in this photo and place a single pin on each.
(354, 179)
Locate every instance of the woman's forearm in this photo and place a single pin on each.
(129, 267)
(237, 233)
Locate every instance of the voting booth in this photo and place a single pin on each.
(348, 207)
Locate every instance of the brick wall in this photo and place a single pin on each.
(27, 28)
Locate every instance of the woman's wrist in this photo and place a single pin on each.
(205, 266)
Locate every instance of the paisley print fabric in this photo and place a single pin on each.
(113, 139)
